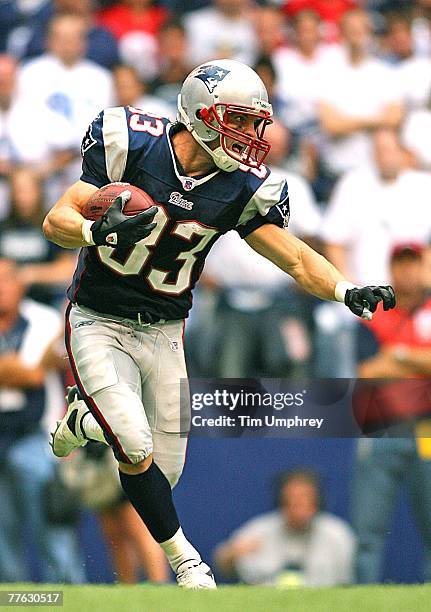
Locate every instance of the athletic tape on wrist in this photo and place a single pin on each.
(340, 290)
(87, 234)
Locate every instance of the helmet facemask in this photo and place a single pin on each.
(243, 148)
(210, 97)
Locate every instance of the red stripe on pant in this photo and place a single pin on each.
(110, 436)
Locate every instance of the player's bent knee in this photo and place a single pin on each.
(124, 423)
(136, 468)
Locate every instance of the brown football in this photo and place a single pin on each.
(102, 199)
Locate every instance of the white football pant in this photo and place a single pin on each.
(130, 375)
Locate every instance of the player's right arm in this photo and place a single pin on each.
(64, 222)
(105, 151)
(66, 226)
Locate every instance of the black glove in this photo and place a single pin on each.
(368, 297)
(119, 230)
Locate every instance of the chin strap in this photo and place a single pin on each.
(221, 159)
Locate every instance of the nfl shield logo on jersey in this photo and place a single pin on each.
(211, 76)
(188, 184)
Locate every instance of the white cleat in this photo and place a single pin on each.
(195, 574)
(68, 435)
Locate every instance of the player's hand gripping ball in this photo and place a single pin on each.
(122, 214)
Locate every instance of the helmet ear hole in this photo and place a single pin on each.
(198, 114)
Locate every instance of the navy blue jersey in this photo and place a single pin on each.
(158, 274)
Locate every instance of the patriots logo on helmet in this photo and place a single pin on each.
(211, 76)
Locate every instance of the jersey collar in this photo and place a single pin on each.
(188, 182)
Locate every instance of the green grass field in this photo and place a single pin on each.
(235, 599)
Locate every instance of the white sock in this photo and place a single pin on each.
(92, 429)
(178, 549)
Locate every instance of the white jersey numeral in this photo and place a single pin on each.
(186, 230)
(139, 255)
(153, 126)
(261, 172)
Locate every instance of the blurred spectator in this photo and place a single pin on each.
(26, 329)
(63, 80)
(130, 90)
(360, 95)
(388, 6)
(399, 345)
(264, 66)
(365, 218)
(135, 24)
(422, 26)
(44, 268)
(414, 75)
(416, 135)
(173, 62)
(298, 544)
(299, 71)
(397, 42)
(93, 472)
(222, 30)
(47, 147)
(17, 16)
(413, 59)
(270, 30)
(367, 212)
(395, 345)
(30, 41)
(133, 16)
(330, 12)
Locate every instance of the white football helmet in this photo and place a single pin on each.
(210, 95)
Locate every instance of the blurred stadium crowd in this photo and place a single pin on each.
(350, 83)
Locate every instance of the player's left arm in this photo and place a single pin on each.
(63, 223)
(313, 272)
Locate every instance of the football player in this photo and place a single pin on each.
(132, 287)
